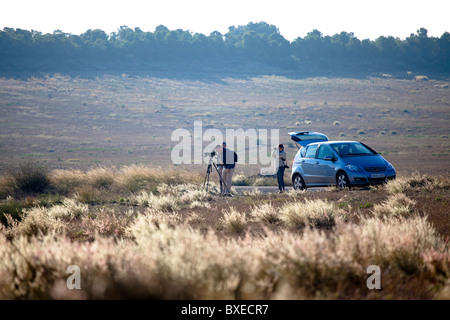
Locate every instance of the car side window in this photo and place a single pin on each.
(311, 151)
(324, 151)
(302, 152)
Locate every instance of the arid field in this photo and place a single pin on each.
(87, 180)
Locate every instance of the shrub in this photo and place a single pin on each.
(29, 178)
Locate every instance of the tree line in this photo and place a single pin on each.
(255, 47)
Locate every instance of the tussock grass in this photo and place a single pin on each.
(292, 193)
(254, 194)
(172, 198)
(241, 180)
(35, 222)
(234, 221)
(100, 177)
(150, 222)
(266, 213)
(41, 220)
(417, 181)
(312, 213)
(397, 205)
(157, 202)
(105, 222)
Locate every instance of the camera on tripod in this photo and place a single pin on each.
(211, 165)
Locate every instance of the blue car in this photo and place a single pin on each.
(341, 163)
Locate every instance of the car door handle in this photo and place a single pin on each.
(317, 162)
(303, 161)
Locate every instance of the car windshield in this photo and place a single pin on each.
(352, 149)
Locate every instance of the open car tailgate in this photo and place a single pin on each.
(303, 138)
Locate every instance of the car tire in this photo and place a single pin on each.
(298, 183)
(342, 181)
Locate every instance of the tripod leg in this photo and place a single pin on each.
(206, 181)
(221, 179)
(206, 176)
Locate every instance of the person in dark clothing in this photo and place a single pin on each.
(229, 159)
(281, 154)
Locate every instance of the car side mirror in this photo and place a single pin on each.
(330, 158)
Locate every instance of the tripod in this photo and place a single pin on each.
(208, 172)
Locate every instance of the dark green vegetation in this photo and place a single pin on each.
(256, 48)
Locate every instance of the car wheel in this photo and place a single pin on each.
(342, 181)
(298, 182)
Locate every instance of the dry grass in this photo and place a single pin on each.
(177, 241)
(168, 260)
(397, 205)
(234, 221)
(127, 179)
(266, 213)
(157, 202)
(314, 213)
(172, 198)
(241, 180)
(418, 181)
